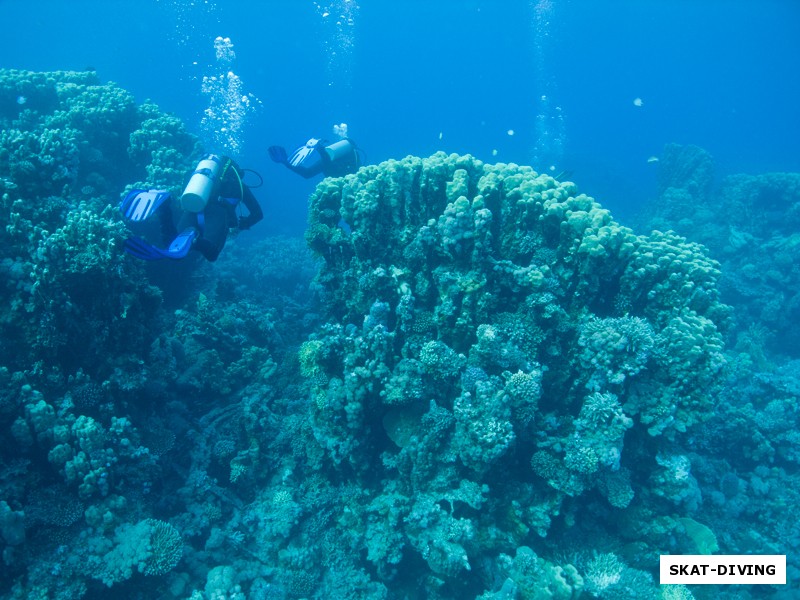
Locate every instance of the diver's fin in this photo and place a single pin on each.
(139, 205)
(278, 154)
(181, 245)
(141, 249)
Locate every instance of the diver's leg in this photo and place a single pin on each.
(166, 219)
(215, 231)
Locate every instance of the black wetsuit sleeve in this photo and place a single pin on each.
(253, 207)
(232, 186)
(305, 172)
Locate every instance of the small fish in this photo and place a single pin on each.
(652, 159)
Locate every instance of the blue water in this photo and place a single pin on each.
(312, 441)
(718, 74)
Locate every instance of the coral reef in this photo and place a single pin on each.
(501, 319)
(469, 382)
(65, 156)
(78, 323)
(750, 225)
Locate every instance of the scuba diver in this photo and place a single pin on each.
(318, 156)
(208, 208)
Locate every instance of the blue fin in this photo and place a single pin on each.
(141, 249)
(181, 245)
(139, 205)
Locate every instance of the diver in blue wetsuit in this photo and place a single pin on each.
(318, 156)
(208, 210)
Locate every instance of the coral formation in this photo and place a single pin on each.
(750, 225)
(490, 389)
(79, 320)
(553, 336)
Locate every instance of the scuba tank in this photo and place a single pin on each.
(339, 149)
(342, 157)
(203, 183)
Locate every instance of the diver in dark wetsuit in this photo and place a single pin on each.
(318, 156)
(209, 206)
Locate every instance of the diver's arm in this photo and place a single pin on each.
(305, 173)
(253, 207)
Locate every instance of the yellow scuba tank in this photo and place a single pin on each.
(203, 183)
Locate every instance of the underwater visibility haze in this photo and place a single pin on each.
(529, 323)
